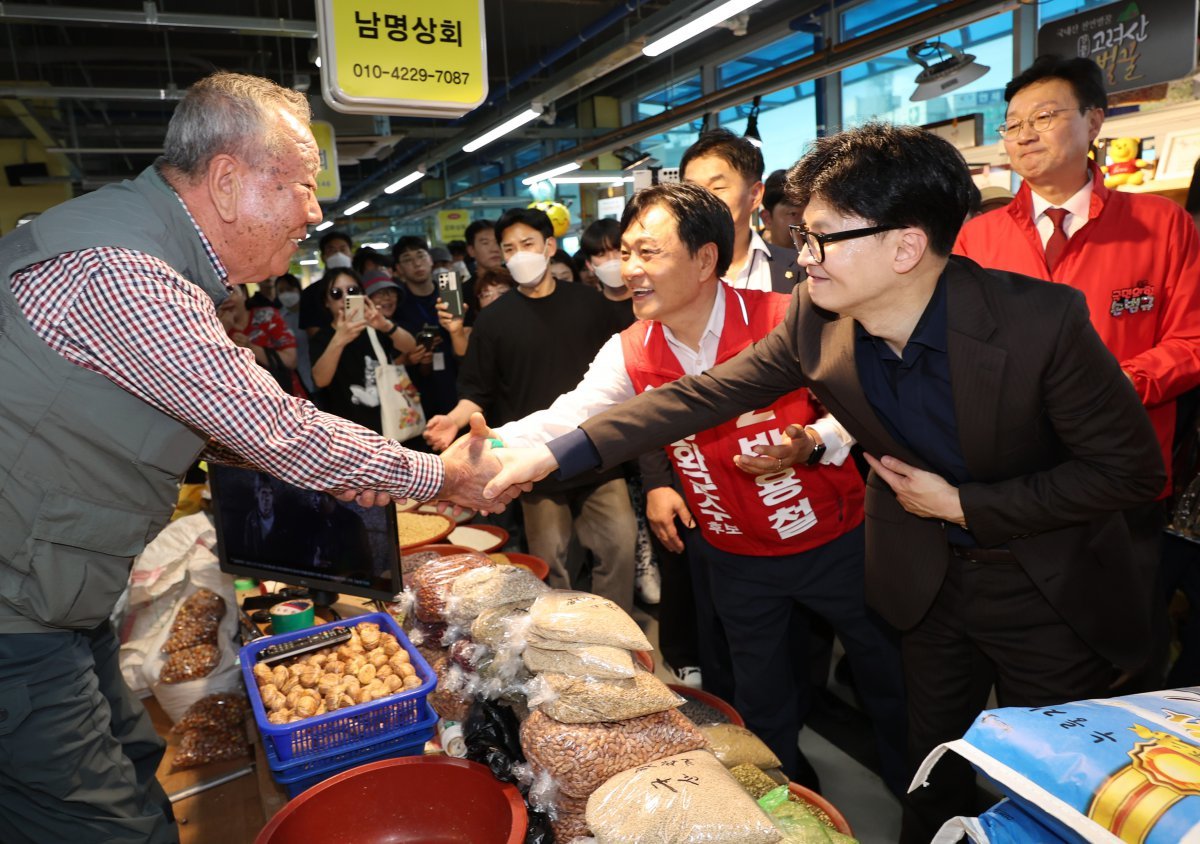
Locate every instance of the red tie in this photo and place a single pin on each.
(1058, 238)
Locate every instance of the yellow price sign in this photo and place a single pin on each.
(329, 181)
(452, 225)
(419, 57)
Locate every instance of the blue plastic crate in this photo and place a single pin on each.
(346, 729)
(299, 776)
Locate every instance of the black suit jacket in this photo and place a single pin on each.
(1053, 434)
(785, 269)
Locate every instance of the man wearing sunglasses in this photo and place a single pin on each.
(1004, 443)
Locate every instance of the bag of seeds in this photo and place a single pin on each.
(599, 661)
(734, 745)
(581, 617)
(683, 799)
(586, 700)
(204, 745)
(431, 583)
(222, 710)
(475, 591)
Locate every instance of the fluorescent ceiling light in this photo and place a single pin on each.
(310, 262)
(325, 225)
(356, 207)
(557, 171)
(376, 246)
(591, 180)
(503, 129)
(414, 176)
(697, 25)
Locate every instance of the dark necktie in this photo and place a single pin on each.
(1058, 238)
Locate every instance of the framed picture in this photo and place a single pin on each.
(1178, 154)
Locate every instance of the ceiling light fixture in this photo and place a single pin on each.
(556, 171)
(356, 207)
(697, 25)
(414, 176)
(751, 133)
(528, 115)
(600, 179)
(944, 75)
(328, 224)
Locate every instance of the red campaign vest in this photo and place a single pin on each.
(766, 516)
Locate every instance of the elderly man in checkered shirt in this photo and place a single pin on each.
(117, 375)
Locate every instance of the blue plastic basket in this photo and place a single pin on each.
(346, 729)
(298, 776)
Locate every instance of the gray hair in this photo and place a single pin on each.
(229, 113)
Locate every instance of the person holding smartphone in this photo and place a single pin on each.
(343, 359)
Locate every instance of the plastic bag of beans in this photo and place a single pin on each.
(580, 757)
(734, 745)
(190, 664)
(431, 583)
(223, 710)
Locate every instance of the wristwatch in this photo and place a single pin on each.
(818, 451)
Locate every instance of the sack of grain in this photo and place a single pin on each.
(491, 586)
(681, 799)
(586, 700)
(431, 583)
(598, 661)
(581, 617)
(734, 745)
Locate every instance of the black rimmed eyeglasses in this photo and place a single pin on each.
(336, 293)
(815, 243)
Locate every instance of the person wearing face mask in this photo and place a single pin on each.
(458, 258)
(336, 250)
(526, 349)
(601, 243)
(287, 288)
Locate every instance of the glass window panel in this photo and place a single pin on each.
(880, 89)
(784, 51)
(876, 14)
(787, 122)
(1052, 10)
(669, 146)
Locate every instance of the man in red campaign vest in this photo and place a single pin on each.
(769, 543)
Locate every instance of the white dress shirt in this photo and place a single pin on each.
(755, 274)
(1077, 212)
(607, 383)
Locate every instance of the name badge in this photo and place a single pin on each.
(439, 361)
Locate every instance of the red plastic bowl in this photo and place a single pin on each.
(412, 800)
(539, 567)
(709, 700)
(810, 796)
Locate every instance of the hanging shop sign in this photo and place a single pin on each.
(452, 224)
(423, 58)
(329, 183)
(1135, 42)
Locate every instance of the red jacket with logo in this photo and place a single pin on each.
(771, 515)
(1137, 260)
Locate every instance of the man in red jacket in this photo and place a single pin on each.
(1136, 257)
(790, 537)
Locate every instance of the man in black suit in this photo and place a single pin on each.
(1004, 441)
(732, 168)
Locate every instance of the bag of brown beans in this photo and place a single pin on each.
(196, 621)
(580, 757)
(431, 583)
(190, 664)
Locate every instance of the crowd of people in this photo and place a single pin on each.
(838, 400)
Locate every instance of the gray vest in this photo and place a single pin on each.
(88, 473)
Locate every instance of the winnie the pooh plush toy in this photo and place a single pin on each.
(1126, 168)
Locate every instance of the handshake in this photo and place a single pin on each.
(482, 475)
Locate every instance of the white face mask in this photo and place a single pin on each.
(460, 269)
(289, 298)
(527, 268)
(609, 273)
(338, 261)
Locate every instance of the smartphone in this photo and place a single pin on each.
(451, 293)
(356, 308)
